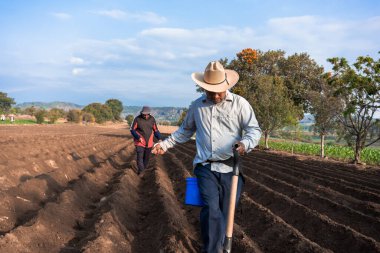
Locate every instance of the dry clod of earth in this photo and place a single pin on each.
(70, 188)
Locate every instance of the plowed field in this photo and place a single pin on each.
(69, 188)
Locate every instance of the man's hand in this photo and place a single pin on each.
(241, 148)
(157, 149)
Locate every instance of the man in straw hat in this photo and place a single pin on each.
(220, 120)
(143, 128)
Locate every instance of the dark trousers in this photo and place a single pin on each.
(215, 192)
(143, 155)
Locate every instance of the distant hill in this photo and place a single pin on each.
(170, 114)
(61, 105)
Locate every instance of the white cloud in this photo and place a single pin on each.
(61, 15)
(147, 17)
(157, 62)
(320, 37)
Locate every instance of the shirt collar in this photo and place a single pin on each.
(229, 97)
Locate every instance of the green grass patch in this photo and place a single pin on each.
(368, 155)
(18, 122)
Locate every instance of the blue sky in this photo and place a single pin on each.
(143, 52)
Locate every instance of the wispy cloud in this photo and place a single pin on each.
(155, 63)
(322, 37)
(61, 15)
(147, 17)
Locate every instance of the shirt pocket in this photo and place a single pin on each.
(228, 123)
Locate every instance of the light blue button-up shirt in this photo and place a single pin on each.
(217, 127)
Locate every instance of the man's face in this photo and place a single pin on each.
(216, 97)
(146, 116)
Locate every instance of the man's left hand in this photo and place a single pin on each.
(241, 148)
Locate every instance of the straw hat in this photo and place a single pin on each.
(215, 78)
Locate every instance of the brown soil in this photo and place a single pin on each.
(71, 188)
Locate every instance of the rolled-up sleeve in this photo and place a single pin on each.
(250, 126)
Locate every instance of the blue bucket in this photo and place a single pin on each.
(192, 196)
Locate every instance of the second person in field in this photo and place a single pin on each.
(143, 129)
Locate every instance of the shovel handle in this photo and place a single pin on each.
(231, 208)
(236, 160)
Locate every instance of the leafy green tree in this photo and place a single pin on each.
(100, 111)
(359, 87)
(301, 74)
(74, 115)
(325, 107)
(88, 117)
(273, 107)
(54, 114)
(30, 110)
(5, 102)
(116, 108)
(247, 65)
(129, 118)
(40, 116)
(15, 110)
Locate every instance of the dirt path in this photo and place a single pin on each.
(69, 188)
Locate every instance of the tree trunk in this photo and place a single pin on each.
(358, 149)
(322, 145)
(266, 138)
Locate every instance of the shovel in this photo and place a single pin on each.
(231, 209)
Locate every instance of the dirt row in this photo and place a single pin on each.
(74, 188)
(317, 208)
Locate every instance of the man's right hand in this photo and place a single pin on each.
(157, 149)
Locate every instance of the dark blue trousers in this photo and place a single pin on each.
(143, 155)
(215, 189)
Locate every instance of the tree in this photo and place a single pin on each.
(40, 116)
(54, 114)
(326, 108)
(101, 112)
(116, 107)
(15, 110)
(272, 115)
(88, 117)
(182, 117)
(129, 118)
(74, 115)
(359, 87)
(5, 102)
(30, 110)
(301, 74)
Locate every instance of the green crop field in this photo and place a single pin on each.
(368, 155)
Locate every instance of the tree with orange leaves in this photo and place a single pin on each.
(248, 55)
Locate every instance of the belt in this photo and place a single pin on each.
(228, 162)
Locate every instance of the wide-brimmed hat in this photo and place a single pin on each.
(215, 78)
(146, 110)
